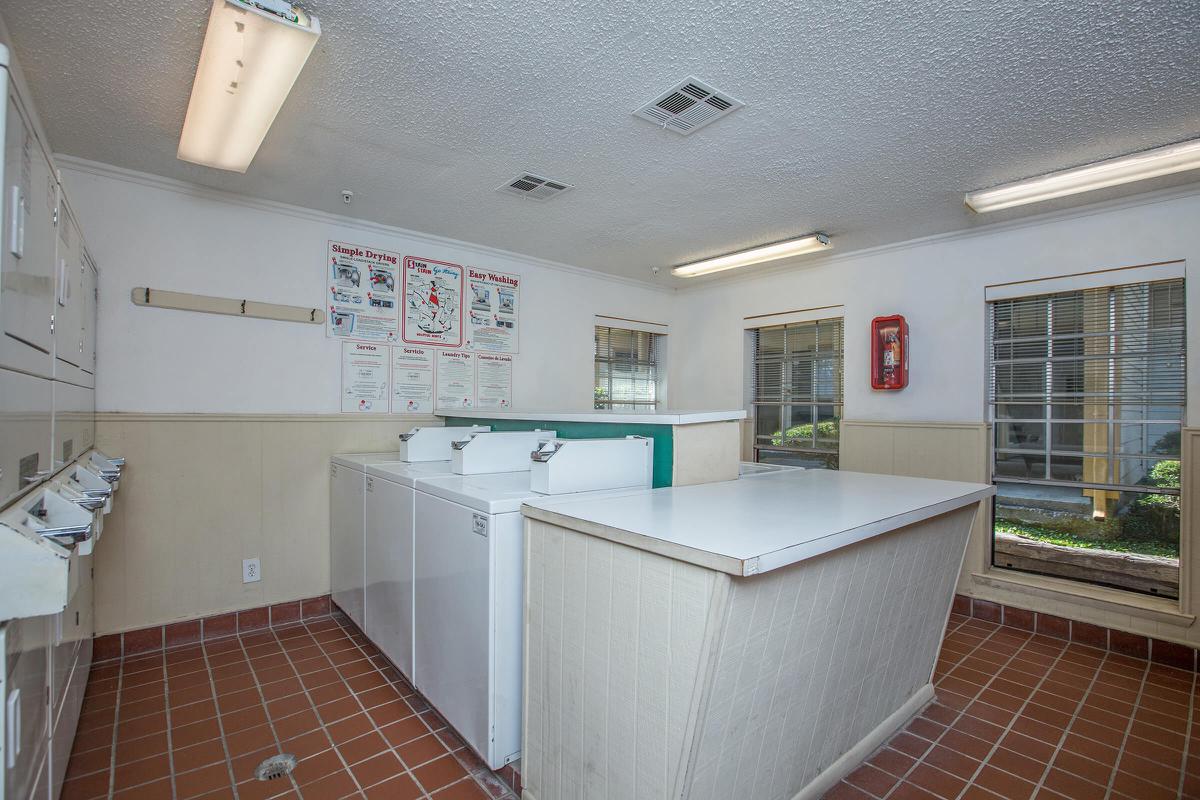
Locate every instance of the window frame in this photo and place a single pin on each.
(820, 407)
(1149, 400)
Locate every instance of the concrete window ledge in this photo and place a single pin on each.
(999, 586)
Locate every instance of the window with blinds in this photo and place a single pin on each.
(627, 369)
(1087, 395)
(797, 393)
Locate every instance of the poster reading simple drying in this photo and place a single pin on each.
(433, 300)
(412, 380)
(364, 378)
(493, 381)
(455, 379)
(362, 299)
(494, 301)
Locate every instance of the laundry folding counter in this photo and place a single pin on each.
(749, 638)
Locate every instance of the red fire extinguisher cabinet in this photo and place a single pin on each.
(889, 353)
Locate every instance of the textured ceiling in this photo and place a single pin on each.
(865, 120)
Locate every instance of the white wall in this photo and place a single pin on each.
(938, 285)
(147, 231)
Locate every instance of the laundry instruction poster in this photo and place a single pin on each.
(361, 283)
(493, 303)
(455, 379)
(412, 379)
(365, 378)
(433, 302)
(493, 381)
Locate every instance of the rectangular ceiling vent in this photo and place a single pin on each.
(688, 107)
(534, 187)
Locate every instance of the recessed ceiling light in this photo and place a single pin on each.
(768, 252)
(1113, 172)
(252, 54)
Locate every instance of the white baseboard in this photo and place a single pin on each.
(856, 755)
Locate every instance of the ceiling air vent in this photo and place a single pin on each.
(688, 107)
(534, 187)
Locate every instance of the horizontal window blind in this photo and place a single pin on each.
(1088, 386)
(627, 368)
(799, 363)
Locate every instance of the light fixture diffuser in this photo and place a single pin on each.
(757, 255)
(1113, 172)
(250, 60)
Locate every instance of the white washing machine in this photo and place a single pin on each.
(468, 596)
(347, 509)
(347, 493)
(389, 555)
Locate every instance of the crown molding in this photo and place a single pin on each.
(992, 229)
(99, 169)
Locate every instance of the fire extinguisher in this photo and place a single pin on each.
(889, 353)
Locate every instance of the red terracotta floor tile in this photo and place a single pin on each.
(1018, 715)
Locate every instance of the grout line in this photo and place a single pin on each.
(1067, 727)
(112, 757)
(1137, 701)
(212, 686)
(263, 699)
(1187, 737)
(167, 714)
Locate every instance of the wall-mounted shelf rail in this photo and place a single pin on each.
(183, 301)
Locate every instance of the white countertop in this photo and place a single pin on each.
(618, 417)
(745, 527)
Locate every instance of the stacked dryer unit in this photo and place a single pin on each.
(469, 571)
(347, 509)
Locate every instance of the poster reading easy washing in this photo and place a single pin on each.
(412, 379)
(493, 302)
(364, 378)
(455, 379)
(362, 298)
(493, 381)
(433, 302)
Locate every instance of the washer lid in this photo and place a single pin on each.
(359, 461)
(406, 473)
(491, 493)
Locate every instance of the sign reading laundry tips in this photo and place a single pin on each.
(494, 303)
(433, 302)
(412, 380)
(493, 381)
(365, 378)
(455, 379)
(361, 293)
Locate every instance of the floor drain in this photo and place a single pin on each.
(275, 767)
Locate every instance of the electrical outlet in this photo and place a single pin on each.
(251, 571)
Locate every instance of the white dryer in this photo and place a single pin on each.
(468, 593)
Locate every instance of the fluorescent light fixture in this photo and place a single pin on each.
(768, 252)
(251, 58)
(1113, 172)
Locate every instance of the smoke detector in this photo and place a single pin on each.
(534, 187)
(688, 106)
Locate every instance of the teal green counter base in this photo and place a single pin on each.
(664, 451)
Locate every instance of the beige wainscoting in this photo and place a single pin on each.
(200, 492)
(959, 451)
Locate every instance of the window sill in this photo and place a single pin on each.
(1158, 609)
